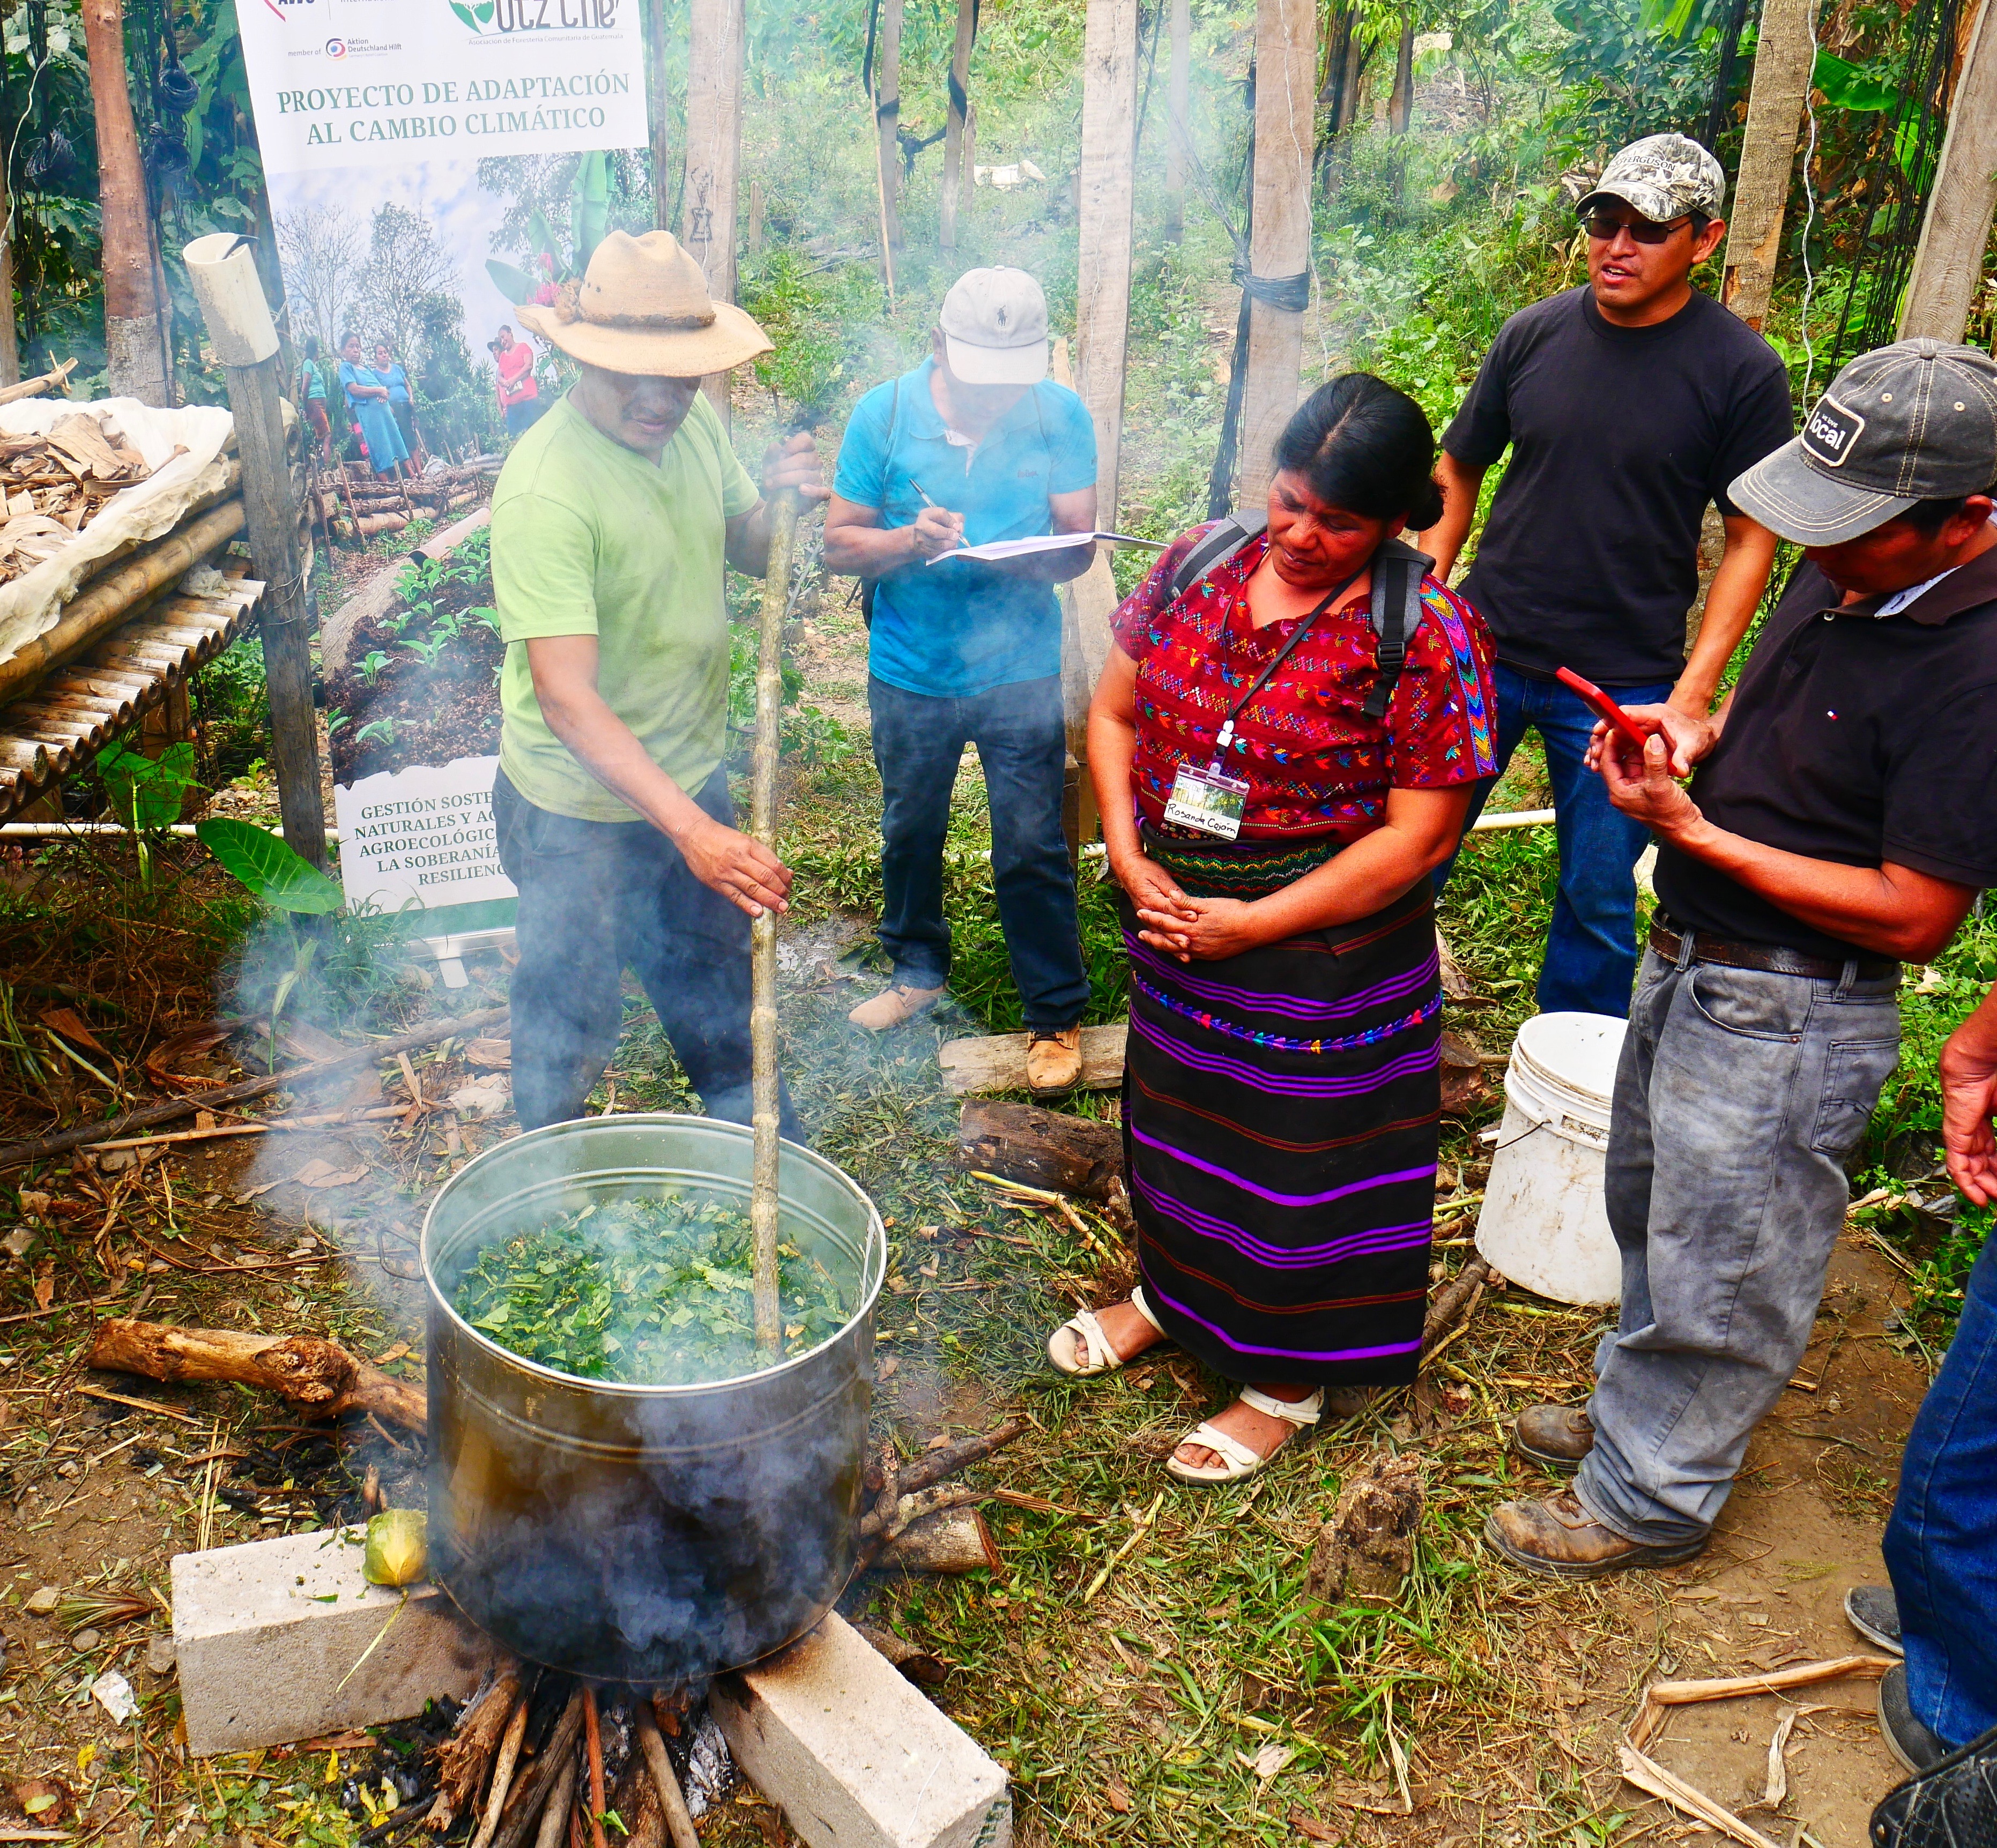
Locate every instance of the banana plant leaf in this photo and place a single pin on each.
(272, 869)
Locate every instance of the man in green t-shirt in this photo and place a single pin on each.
(611, 523)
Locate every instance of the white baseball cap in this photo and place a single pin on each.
(994, 328)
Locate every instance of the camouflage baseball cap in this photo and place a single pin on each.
(1664, 176)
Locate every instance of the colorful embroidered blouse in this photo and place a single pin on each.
(1316, 764)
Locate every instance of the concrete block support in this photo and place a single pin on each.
(264, 1632)
(854, 1756)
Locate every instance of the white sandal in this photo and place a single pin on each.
(1088, 1351)
(1239, 1462)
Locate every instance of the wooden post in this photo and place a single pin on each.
(1401, 102)
(223, 276)
(1948, 266)
(887, 124)
(954, 175)
(1178, 122)
(713, 153)
(1102, 281)
(1286, 69)
(10, 351)
(134, 351)
(656, 97)
(1784, 54)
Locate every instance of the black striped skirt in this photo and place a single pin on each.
(1280, 1114)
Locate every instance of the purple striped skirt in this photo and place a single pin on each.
(1279, 1122)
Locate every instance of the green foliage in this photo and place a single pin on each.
(272, 870)
(146, 793)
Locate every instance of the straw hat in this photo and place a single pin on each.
(644, 307)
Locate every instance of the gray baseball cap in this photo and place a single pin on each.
(1916, 421)
(994, 328)
(1664, 176)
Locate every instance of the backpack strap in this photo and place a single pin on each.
(1398, 571)
(1217, 547)
(868, 587)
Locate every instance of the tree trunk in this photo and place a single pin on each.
(320, 1375)
(1948, 267)
(1102, 288)
(10, 351)
(1784, 57)
(657, 99)
(1401, 103)
(1178, 122)
(954, 175)
(888, 120)
(134, 345)
(1286, 67)
(713, 153)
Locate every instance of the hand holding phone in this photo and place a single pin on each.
(1604, 709)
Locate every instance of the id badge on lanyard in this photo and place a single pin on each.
(1207, 801)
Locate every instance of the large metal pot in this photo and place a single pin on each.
(653, 1534)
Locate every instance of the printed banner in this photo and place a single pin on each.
(423, 834)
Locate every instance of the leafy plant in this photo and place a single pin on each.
(427, 648)
(146, 793)
(270, 866)
(384, 728)
(371, 665)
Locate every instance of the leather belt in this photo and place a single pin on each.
(1668, 940)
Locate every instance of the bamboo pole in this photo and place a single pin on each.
(1948, 266)
(118, 595)
(10, 351)
(1784, 54)
(1286, 68)
(953, 140)
(55, 380)
(763, 1196)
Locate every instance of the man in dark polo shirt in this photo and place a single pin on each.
(1843, 819)
(1628, 404)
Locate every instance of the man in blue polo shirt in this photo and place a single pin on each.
(975, 445)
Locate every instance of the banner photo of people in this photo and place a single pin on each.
(432, 164)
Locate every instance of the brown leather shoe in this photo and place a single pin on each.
(894, 1007)
(1054, 1058)
(1558, 1538)
(1556, 1436)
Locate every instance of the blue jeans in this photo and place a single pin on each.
(1941, 1543)
(1739, 1096)
(1591, 947)
(918, 740)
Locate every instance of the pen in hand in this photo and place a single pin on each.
(950, 540)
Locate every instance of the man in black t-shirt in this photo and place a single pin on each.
(1843, 816)
(1628, 405)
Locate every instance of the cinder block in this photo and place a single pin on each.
(263, 1632)
(855, 1756)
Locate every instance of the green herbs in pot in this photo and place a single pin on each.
(644, 1290)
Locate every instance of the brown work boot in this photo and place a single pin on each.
(1054, 1058)
(1558, 1538)
(894, 1007)
(1556, 1436)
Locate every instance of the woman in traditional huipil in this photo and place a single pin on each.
(1274, 795)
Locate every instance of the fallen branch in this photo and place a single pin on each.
(319, 1375)
(549, 1787)
(561, 1806)
(1662, 1694)
(1648, 1775)
(592, 1737)
(1456, 1301)
(503, 1768)
(933, 1466)
(19, 1154)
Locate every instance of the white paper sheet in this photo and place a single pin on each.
(1046, 542)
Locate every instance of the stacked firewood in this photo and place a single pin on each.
(53, 485)
(354, 500)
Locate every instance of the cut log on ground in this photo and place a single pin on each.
(1366, 1550)
(898, 1497)
(1456, 1301)
(999, 1062)
(319, 1376)
(953, 1541)
(465, 1760)
(1044, 1148)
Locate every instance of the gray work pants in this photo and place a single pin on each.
(1739, 1095)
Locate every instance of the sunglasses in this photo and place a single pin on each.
(1604, 226)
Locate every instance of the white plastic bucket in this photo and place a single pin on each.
(1543, 1224)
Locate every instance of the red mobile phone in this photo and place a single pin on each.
(1598, 702)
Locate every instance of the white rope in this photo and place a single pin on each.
(1809, 211)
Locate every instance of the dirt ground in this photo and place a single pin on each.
(1195, 1700)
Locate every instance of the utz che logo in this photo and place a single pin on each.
(1831, 431)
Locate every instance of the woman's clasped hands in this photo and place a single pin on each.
(1192, 929)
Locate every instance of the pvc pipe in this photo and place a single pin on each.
(57, 830)
(222, 275)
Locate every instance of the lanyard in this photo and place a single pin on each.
(1226, 736)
